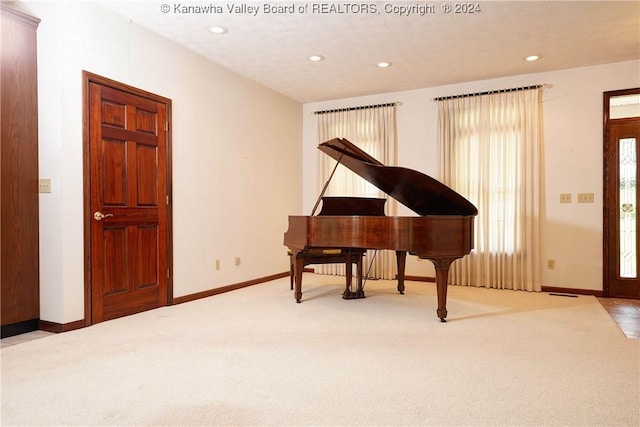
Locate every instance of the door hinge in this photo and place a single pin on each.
(167, 200)
(168, 273)
(166, 126)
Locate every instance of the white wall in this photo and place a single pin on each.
(573, 117)
(229, 136)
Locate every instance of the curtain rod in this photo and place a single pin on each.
(361, 107)
(513, 89)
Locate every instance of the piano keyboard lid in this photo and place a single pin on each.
(417, 191)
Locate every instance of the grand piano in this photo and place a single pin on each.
(442, 233)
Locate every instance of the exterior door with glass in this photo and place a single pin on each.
(621, 195)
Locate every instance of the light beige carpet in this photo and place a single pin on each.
(255, 357)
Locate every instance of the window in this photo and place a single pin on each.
(490, 153)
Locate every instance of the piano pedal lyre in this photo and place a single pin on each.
(349, 294)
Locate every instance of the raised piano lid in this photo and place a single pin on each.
(419, 192)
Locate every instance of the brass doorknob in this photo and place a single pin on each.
(99, 216)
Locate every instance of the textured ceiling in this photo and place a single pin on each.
(430, 49)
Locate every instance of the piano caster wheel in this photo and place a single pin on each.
(443, 320)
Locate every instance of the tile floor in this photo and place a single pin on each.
(17, 339)
(625, 312)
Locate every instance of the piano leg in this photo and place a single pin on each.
(348, 294)
(401, 258)
(442, 277)
(298, 267)
(359, 284)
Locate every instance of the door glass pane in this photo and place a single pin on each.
(628, 234)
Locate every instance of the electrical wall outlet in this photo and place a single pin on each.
(565, 198)
(45, 185)
(217, 264)
(551, 264)
(585, 198)
(237, 260)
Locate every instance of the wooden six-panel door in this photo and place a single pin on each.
(128, 209)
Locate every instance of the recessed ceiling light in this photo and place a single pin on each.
(218, 29)
(384, 64)
(532, 58)
(316, 58)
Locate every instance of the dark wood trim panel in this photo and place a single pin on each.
(61, 327)
(223, 289)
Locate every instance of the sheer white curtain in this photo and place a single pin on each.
(490, 151)
(372, 129)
